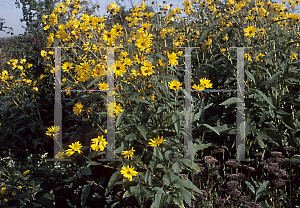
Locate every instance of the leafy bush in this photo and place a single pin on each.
(151, 169)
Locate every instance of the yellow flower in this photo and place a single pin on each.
(98, 143)
(198, 87)
(172, 59)
(102, 86)
(247, 57)
(60, 155)
(250, 31)
(69, 152)
(128, 172)
(43, 53)
(147, 68)
(67, 66)
(52, 131)
(75, 147)
(174, 85)
(205, 83)
(113, 8)
(120, 69)
(2, 191)
(259, 56)
(156, 141)
(117, 109)
(77, 109)
(52, 20)
(128, 153)
(26, 172)
(223, 49)
(293, 56)
(152, 97)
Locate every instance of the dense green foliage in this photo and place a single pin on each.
(149, 105)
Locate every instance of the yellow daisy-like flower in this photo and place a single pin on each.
(98, 143)
(293, 56)
(60, 155)
(175, 85)
(113, 8)
(250, 31)
(198, 87)
(147, 68)
(2, 191)
(247, 57)
(205, 83)
(128, 172)
(156, 141)
(75, 147)
(77, 109)
(172, 59)
(119, 69)
(26, 172)
(53, 131)
(69, 152)
(67, 66)
(223, 49)
(103, 86)
(43, 53)
(259, 56)
(128, 153)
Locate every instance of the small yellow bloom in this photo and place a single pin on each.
(2, 191)
(223, 49)
(156, 141)
(43, 53)
(77, 109)
(53, 131)
(128, 153)
(293, 56)
(26, 172)
(175, 85)
(128, 172)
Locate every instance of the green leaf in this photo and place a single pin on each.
(85, 192)
(269, 101)
(297, 115)
(259, 139)
(166, 179)
(197, 115)
(187, 184)
(142, 129)
(250, 75)
(137, 99)
(231, 101)
(86, 171)
(130, 137)
(45, 202)
(179, 202)
(91, 163)
(250, 187)
(186, 195)
(263, 188)
(112, 181)
(158, 200)
(120, 118)
(176, 122)
(32, 126)
(95, 80)
(176, 167)
(211, 128)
